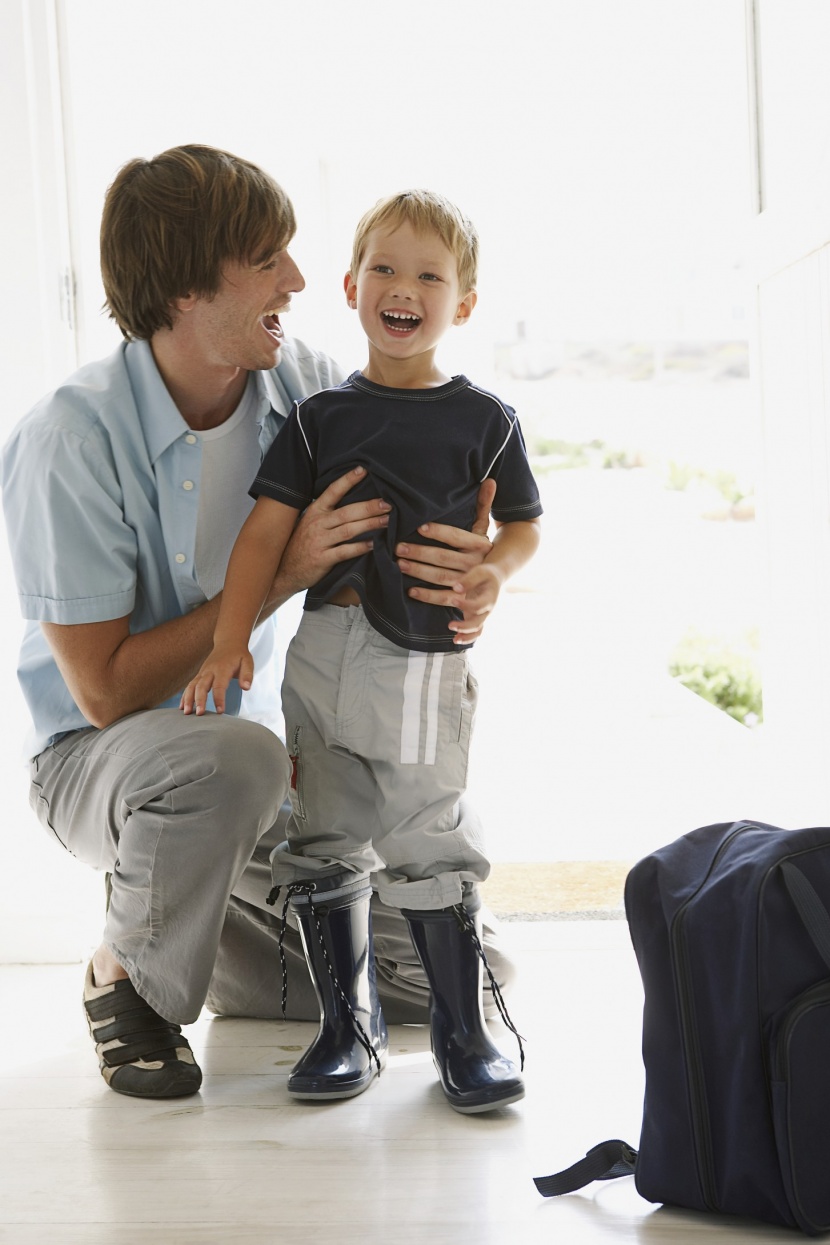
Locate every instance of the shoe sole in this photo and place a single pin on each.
(478, 1108)
(332, 1095)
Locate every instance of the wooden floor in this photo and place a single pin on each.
(240, 1162)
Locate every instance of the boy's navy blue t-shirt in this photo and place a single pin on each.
(426, 451)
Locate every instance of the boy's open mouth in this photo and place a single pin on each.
(400, 321)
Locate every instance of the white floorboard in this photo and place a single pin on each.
(240, 1162)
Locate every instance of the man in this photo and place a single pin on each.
(120, 563)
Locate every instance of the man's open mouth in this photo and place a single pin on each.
(400, 321)
(271, 323)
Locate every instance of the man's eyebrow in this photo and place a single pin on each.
(269, 251)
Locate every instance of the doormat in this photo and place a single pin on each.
(565, 890)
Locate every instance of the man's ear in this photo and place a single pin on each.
(465, 307)
(184, 303)
(351, 290)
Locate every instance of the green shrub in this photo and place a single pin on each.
(723, 672)
(680, 475)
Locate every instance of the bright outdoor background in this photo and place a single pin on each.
(602, 150)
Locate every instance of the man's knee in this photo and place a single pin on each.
(235, 770)
(249, 763)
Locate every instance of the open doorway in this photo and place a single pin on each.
(606, 167)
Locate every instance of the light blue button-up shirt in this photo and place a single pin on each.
(101, 484)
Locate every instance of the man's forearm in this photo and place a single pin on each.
(111, 673)
(151, 666)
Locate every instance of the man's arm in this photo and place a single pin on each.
(111, 673)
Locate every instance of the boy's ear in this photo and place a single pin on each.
(465, 308)
(351, 290)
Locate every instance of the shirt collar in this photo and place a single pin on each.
(272, 396)
(161, 420)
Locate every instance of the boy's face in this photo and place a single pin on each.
(406, 291)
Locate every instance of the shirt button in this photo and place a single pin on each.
(180, 557)
(188, 485)
(190, 439)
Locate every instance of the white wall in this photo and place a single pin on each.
(792, 269)
(41, 915)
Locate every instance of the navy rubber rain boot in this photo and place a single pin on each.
(474, 1074)
(350, 1048)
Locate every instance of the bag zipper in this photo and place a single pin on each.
(804, 1003)
(701, 1130)
(818, 994)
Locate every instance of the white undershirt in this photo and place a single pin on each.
(230, 461)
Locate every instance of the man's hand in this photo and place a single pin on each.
(326, 535)
(447, 567)
(221, 666)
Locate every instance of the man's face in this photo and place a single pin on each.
(239, 326)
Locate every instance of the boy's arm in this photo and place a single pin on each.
(250, 576)
(513, 546)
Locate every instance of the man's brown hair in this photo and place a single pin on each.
(170, 224)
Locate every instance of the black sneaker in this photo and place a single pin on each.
(139, 1053)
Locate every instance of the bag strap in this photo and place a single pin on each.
(606, 1161)
(810, 908)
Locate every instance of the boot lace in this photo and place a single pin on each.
(468, 926)
(307, 889)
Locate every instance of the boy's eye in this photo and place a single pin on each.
(382, 268)
(429, 276)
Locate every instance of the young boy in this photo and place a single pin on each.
(378, 699)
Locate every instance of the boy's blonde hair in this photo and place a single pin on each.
(427, 212)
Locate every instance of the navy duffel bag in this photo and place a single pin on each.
(731, 930)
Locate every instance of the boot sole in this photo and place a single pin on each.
(346, 1091)
(478, 1108)
(331, 1095)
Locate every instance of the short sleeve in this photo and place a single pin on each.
(74, 555)
(517, 494)
(287, 473)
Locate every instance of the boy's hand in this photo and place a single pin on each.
(479, 590)
(216, 673)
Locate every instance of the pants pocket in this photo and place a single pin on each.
(40, 806)
(295, 789)
(468, 702)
